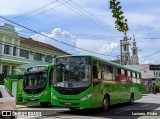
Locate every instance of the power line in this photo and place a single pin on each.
(24, 48)
(101, 36)
(88, 36)
(93, 17)
(150, 55)
(148, 38)
(54, 39)
(45, 11)
(35, 10)
(87, 17)
(14, 45)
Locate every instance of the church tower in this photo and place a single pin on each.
(125, 51)
(134, 57)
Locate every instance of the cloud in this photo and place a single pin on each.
(19, 6)
(108, 48)
(57, 31)
(59, 35)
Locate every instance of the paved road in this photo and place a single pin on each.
(149, 103)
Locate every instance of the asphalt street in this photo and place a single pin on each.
(146, 108)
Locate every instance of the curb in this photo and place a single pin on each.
(20, 106)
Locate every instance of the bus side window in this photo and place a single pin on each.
(131, 75)
(99, 71)
(134, 77)
(129, 79)
(115, 74)
(107, 72)
(126, 73)
(123, 75)
(95, 74)
(119, 71)
(138, 78)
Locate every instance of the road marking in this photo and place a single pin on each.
(145, 105)
(122, 111)
(66, 109)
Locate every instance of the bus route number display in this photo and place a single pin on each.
(72, 59)
(37, 68)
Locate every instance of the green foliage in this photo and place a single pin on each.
(120, 22)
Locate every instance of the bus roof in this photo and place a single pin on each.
(108, 62)
(50, 64)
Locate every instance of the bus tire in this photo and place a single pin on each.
(106, 103)
(131, 99)
(43, 104)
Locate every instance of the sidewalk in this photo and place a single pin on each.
(147, 94)
(20, 106)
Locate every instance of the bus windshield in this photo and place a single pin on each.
(72, 73)
(35, 80)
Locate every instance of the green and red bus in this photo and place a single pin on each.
(84, 81)
(37, 84)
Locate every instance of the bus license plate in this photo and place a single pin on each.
(68, 103)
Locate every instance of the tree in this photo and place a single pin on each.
(121, 22)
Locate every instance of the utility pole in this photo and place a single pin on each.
(121, 51)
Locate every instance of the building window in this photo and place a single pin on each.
(6, 49)
(24, 53)
(4, 70)
(14, 51)
(125, 47)
(38, 56)
(134, 51)
(48, 58)
(13, 70)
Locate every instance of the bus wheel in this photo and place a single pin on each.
(131, 99)
(106, 103)
(44, 104)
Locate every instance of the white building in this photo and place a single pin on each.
(150, 74)
(19, 53)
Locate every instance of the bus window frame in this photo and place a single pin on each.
(107, 70)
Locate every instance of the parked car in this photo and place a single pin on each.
(7, 102)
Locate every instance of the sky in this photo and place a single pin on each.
(87, 25)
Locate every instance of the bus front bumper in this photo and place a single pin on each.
(76, 103)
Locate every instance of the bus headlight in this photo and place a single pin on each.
(86, 97)
(53, 96)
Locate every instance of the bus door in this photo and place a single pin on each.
(97, 83)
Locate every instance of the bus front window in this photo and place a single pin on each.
(72, 75)
(35, 80)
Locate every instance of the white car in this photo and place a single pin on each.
(7, 102)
